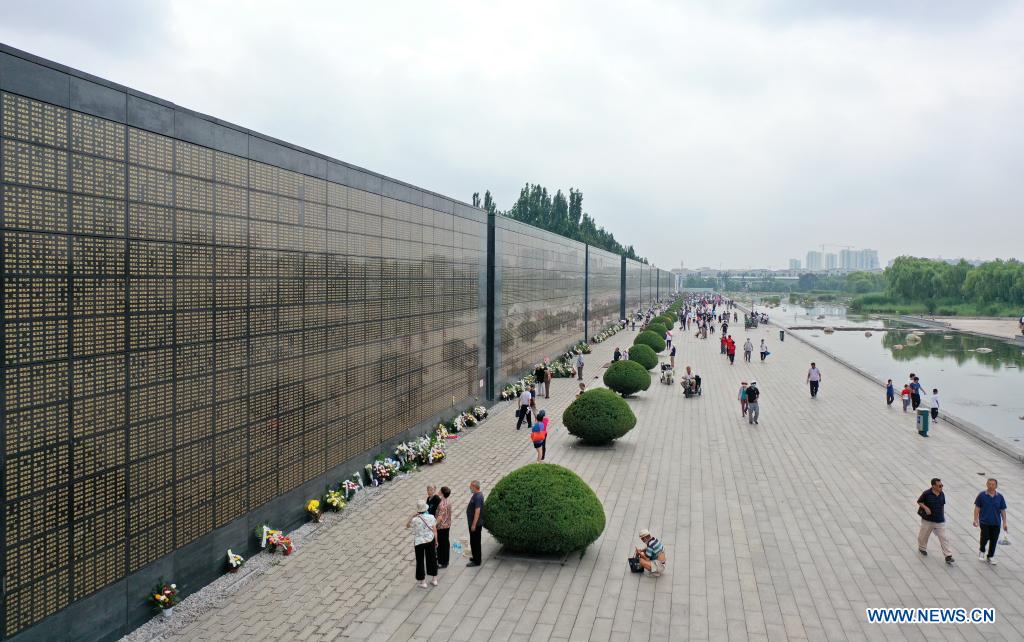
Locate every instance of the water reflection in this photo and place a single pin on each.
(961, 348)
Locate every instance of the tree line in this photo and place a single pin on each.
(926, 280)
(559, 214)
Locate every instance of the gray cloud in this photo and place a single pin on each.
(738, 133)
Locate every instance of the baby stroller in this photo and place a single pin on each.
(691, 387)
(667, 374)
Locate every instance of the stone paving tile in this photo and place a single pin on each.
(785, 530)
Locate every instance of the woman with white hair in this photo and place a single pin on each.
(424, 532)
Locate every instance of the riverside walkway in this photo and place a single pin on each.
(785, 530)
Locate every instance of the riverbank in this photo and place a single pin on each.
(994, 328)
(879, 303)
(1002, 443)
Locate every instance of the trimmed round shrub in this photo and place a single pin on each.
(627, 377)
(664, 320)
(598, 416)
(657, 328)
(543, 508)
(643, 355)
(654, 341)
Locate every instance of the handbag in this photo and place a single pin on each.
(634, 564)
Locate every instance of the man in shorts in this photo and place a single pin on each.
(652, 556)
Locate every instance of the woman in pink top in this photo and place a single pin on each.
(444, 525)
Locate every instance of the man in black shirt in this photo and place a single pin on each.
(931, 506)
(475, 521)
(753, 403)
(617, 355)
(539, 375)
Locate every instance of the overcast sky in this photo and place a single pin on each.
(739, 133)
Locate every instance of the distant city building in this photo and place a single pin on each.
(794, 264)
(855, 260)
(831, 261)
(814, 261)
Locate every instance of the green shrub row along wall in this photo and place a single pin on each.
(203, 326)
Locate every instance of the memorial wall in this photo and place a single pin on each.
(203, 326)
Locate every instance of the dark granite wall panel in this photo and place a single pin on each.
(190, 334)
(603, 285)
(539, 296)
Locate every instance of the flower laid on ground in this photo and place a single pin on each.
(480, 412)
(436, 454)
(350, 488)
(513, 390)
(335, 500)
(442, 433)
(264, 533)
(235, 561)
(279, 540)
(403, 452)
(313, 508)
(164, 596)
(583, 347)
(606, 334)
(469, 419)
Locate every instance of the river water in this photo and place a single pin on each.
(984, 388)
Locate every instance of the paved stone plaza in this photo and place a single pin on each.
(786, 530)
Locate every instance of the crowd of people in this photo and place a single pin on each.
(703, 314)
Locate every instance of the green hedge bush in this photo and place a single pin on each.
(657, 328)
(643, 355)
(655, 341)
(627, 377)
(664, 320)
(598, 416)
(543, 508)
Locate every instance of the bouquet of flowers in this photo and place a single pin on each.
(403, 452)
(279, 540)
(263, 534)
(469, 419)
(480, 412)
(235, 561)
(335, 500)
(437, 453)
(350, 487)
(583, 347)
(165, 596)
(423, 445)
(313, 508)
(442, 433)
(457, 424)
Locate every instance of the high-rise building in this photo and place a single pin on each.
(814, 261)
(869, 259)
(848, 259)
(831, 261)
(794, 264)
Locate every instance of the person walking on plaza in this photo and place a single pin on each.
(989, 511)
(743, 398)
(668, 338)
(444, 528)
(672, 357)
(915, 392)
(549, 375)
(539, 435)
(722, 344)
(579, 367)
(525, 400)
(540, 377)
(931, 506)
(814, 379)
(475, 521)
(424, 535)
(890, 393)
(730, 349)
(753, 403)
(934, 402)
(764, 350)
(748, 350)
(905, 396)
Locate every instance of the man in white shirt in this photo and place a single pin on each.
(524, 408)
(814, 378)
(748, 349)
